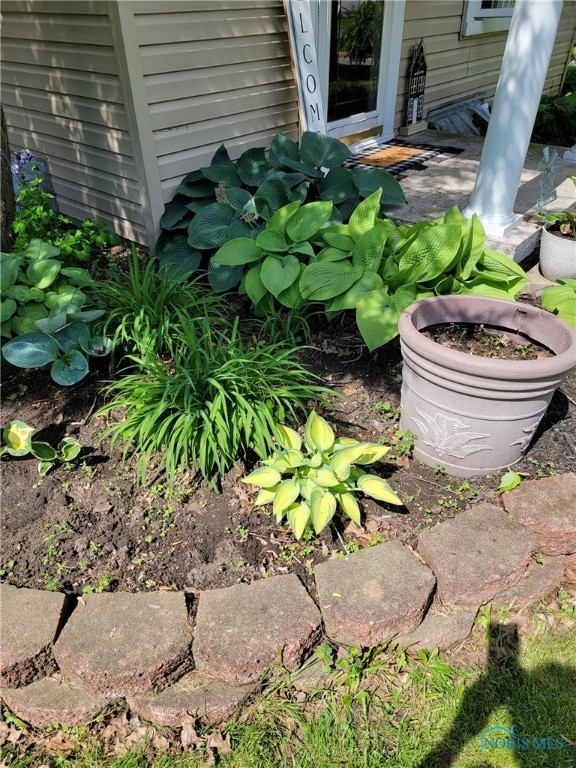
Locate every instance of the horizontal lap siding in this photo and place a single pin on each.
(464, 67)
(215, 72)
(63, 100)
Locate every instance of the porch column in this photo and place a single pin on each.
(525, 63)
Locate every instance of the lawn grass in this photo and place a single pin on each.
(385, 710)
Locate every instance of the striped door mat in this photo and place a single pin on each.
(400, 158)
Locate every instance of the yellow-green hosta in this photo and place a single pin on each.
(307, 481)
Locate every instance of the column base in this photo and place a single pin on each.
(497, 226)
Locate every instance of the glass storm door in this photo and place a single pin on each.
(350, 44)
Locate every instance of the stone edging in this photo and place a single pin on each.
(169, 654)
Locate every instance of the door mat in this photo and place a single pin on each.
(401, 158)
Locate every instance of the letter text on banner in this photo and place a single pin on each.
(305, 59)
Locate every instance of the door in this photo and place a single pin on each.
(358, 44)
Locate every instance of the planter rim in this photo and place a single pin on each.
(501, 312)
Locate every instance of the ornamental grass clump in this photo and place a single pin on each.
(306, 481)
(206, 398)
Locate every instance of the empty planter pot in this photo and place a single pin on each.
(472, 414)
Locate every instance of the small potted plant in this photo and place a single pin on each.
(558, 244)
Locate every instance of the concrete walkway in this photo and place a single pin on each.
(432, 191)
(170, 655)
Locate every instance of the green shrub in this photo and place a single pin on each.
(369, 265)
(306, 482)
(555, 123)
(37, 218)
(207, 398)
(33, 283)
(237, 199)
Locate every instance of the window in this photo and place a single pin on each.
(484, 17)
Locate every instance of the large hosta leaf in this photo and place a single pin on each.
(283, 149)
(271, 196)
(253, 166)
(336, 186)
(473, 248)
(369, 248)
(308, 220)
(322, 508)
(432, 253)
(279, 273)
(178, 260)
(321, 151)
(223, 277)
(176, 214)
(253, 285)
(364, 215)
(241, 250)
(9, 266)
(38, 249)
(31, 350)
(210, 227)
(222, 174)
(368, 180)
(70, 369)
(377, 319)
(368, 283)
(324, 280)
(43, 272)
(282, 215)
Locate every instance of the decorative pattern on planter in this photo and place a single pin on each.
(446, 435)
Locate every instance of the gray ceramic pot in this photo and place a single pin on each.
(472, 414)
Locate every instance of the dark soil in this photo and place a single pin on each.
(484, 341)
(87, 527)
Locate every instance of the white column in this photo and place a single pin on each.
(524, 66)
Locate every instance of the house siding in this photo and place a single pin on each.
(63, 99)
(215, 72)
(459, 67)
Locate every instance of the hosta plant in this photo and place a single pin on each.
(368, 265)
(229, 199)
(17, 441)
(307, 481)
(66, 338)
(560, 299)
(34, 282)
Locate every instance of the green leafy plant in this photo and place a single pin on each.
(230, 199)
(36, 217)
(306, 481)
(143, 302)
(34, 282)
(65, 338)
(555, 122)
(206, 398)
(17, 441)
(560, 299)
(368, 265)
(561, 222)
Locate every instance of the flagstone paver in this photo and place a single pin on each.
(539, 580)
(367, 597)
(548, 507)
(196, 694)
(441, 628)
(30, 619)
(54, 700)
(476, 555)
(121, 643)
(241, 630)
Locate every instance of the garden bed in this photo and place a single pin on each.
(89, 527)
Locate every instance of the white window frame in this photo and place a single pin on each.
(487, 21)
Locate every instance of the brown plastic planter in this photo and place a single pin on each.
(476, 415)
